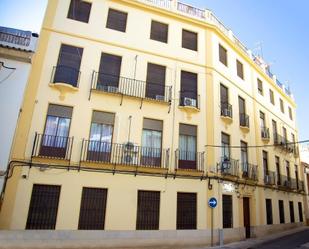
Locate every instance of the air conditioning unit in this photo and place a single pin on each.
(226, 112)
(130, 159)
(189, 102)
(110, 89)
(160, 97)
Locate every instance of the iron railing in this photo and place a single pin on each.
(301, 186)
(66, 75)
(294, 184)
(50, 146)
(244, 120)
(249, 171)
(284, 181)
(229, 166)
(270, 178)
(188, 160)
(124, 154)
(20, 37)
(226, 110)
(165, 4)
(265, 133)
(189, 99)
(285, 144)
(131, 87)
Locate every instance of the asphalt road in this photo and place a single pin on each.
(287, 242)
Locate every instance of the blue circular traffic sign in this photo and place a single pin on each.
(212, 202)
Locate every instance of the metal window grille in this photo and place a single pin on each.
(148, 210)
(186, 211)
(227, 210)
(43, 207)
(93, 208)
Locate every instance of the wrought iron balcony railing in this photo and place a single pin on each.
(229, 166)
(124, 154)
(285, 144)
(66, 75)
(244, 120)
(188, 160)
(301, 186)
(269, 178)
(130, 87)
(189, 99)
(226, 110)
(265, 133)
(286, 182)
(249, 171)
(50, 146)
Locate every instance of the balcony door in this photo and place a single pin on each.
(187, 147)
(155, 83)
(188, 92)
(244, 159)
(100, 139)
(224, 97)
(55, 137)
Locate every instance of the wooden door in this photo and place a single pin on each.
(246, 209)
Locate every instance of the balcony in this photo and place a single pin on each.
(285, 182)
(65, 75)
(189, 161)
(265, 133)
(284, 144)
(115, 84)
(226, 111)
(301, 186)
(229, 167)
(126, 154)
(244, 120)
(53, 147)
(189, 100)
(269, 178)
(249, 171)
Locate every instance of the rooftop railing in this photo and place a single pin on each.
(207, 16)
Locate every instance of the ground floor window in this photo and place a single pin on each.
(92, 209)
(186, 211)
(300, 212)
(281, 211)
(292, 217)
(43, 208)
(148, 210)
(227, 211)
(269, 212)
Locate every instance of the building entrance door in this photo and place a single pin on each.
(246, 208)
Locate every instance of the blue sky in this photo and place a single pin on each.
(281, 26)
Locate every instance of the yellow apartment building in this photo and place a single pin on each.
(136, 113)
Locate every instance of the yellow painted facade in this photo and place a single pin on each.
(123, 181)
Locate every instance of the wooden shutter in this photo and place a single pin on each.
(103, 118)
(159, 31)
(186, 211)
(148, 210)
(43, 207)
(189, 130)
(60, 111)
(117, 20)
(92, 209)
(189, 40)
(155, 82)
(269, 212)
(222, 55)
(227, 211)
(152, 124)
(260, 86)
(79, 10)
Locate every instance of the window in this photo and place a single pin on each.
(43, 208)
(275, 132)
(284, 135)
(55, 137)
(262, 120)
(260, 86)
(290, 113)
(227, 211)
(243, 117)
(79, 10)
(189, 40)
(148, 210)
(281, 212)
(187, 146)
(296, 176)
(287, 167)
(100, 139)
(225, 143)
(244, 158)
(188, 89)
(240, 69)
(281, 106)
(269, 212)
(159, 31)
(151, 142)
(277, 162)
(222, 55)
(186, 210)
(109, 73)
(155, 82)
(271, 97)
(68, 65)
(292, 217)
(226, 108)
(92, 209)
(265, 163)
(117, 20)
(300, 212)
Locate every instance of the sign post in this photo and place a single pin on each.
(212, 203)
